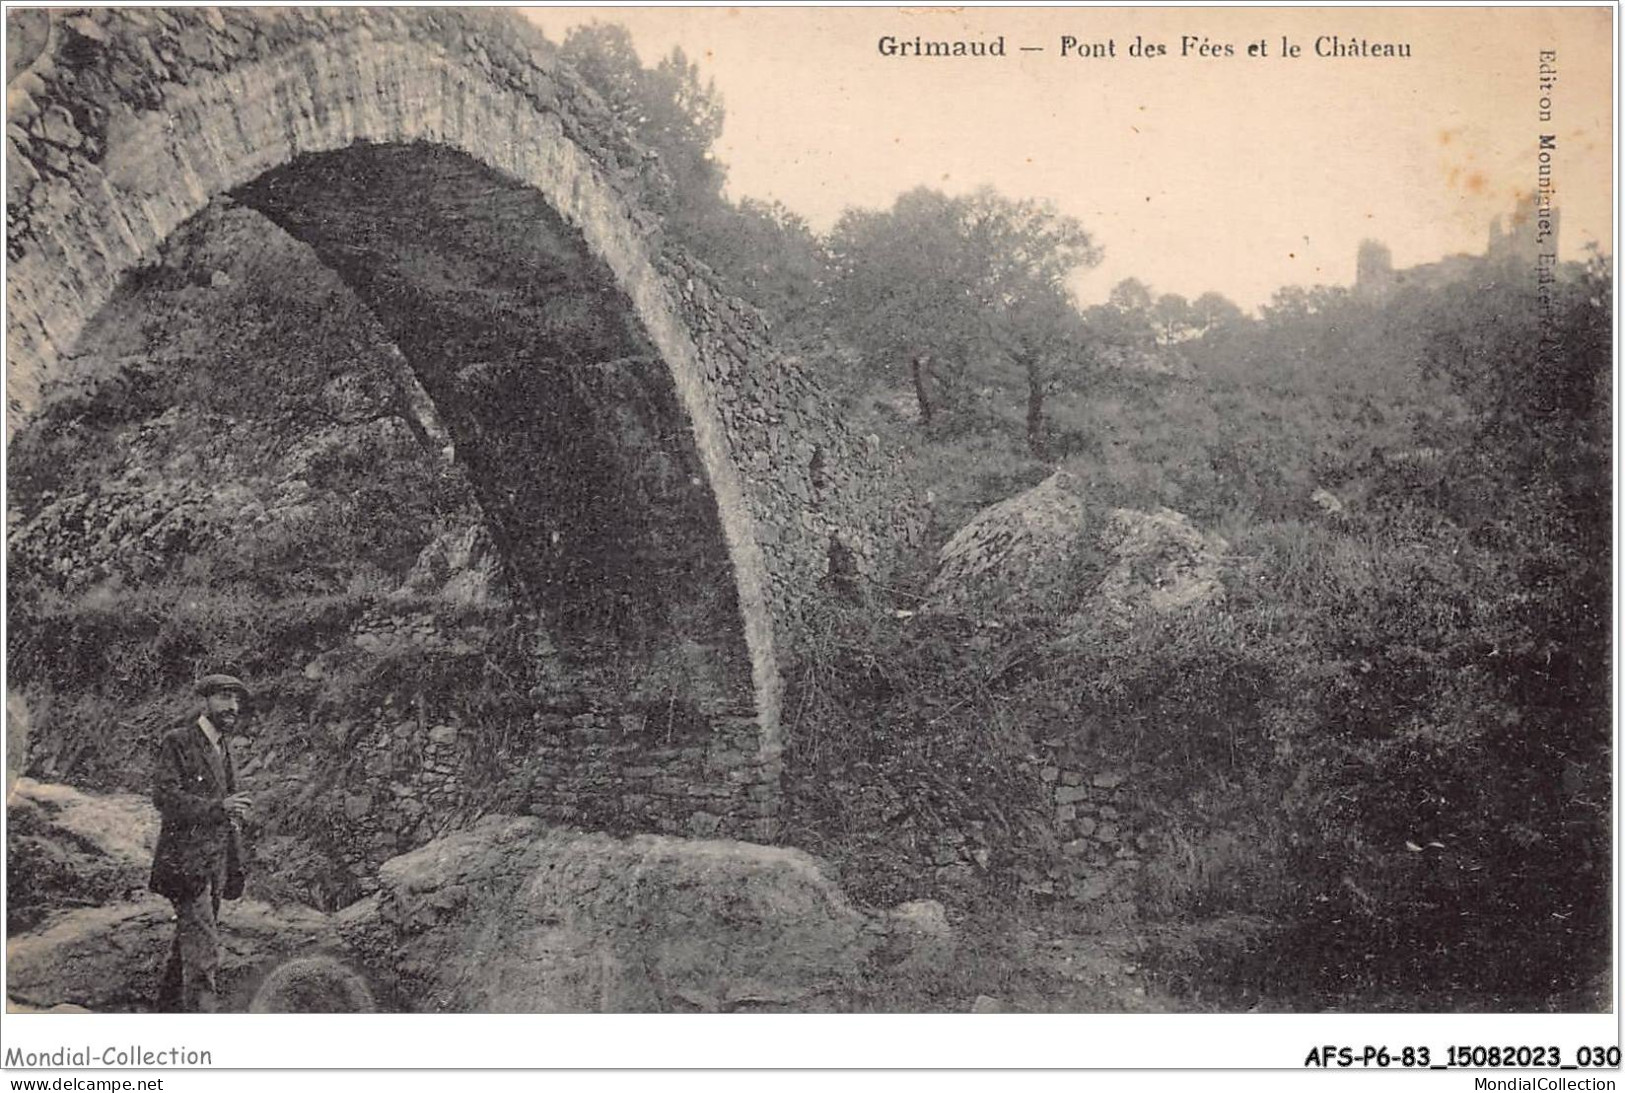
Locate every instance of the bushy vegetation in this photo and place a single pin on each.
(1380, 772)
(901, 736)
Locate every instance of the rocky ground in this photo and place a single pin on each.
(513, 916)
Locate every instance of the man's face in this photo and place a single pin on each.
(223, 709)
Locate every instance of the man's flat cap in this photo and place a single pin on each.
(214, 684)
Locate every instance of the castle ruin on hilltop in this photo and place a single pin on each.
(1513, 248)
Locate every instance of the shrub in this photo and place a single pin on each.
(899, 739)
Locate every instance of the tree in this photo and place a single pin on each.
(904, 290)
(1031, 250)
(1289, 303)
(1130, 295)
(1295, 302)
(1125, 318)
(1172, 316)
(759, 250)
(1047, 333)
(1213, 312)
(682, 120)
(770, 255)
(603, 56)
(667, 109)
(1531, 370)
(937, 282)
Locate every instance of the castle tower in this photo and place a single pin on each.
(1373, 268)
(1530, 232)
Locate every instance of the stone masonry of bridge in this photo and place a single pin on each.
(129, 122)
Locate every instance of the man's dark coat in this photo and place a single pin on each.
(197, 839)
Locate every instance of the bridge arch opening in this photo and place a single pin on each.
(156, 137)
(561, 410)
(564, 378)
(445, 333)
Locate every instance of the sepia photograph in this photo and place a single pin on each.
(870, 511)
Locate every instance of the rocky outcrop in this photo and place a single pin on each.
(460, 566)
(510, 916)
(69, 849)
(111, 958)
(1018, 555)
(84, 931)
(507, 916)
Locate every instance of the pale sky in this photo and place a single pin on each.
(1234, 174)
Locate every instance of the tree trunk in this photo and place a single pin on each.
(917, 366)
(1035, 409)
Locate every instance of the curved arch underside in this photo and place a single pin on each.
(563, 412)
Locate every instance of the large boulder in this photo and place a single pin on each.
(111, 958)
(67, 849)
(507, 916)
(511, 916)
(1043, 550)
(1019, 554)
(313, 984)
(1157, 562)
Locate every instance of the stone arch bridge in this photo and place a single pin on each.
(123, 124)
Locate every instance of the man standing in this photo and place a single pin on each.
(199, 858)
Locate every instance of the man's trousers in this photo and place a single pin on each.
(190, 977)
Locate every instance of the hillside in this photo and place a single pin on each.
(1377, 770)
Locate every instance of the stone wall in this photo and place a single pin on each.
(1101, 843)
(632, 771)
(576, 749)
(410, 787)
(1072, 829)
(1100, 837)
(603, 769)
